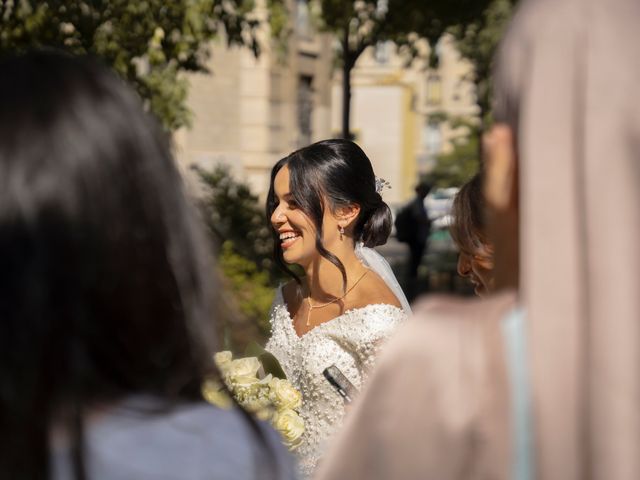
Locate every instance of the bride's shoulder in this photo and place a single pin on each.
(279, 314)
(374, 290)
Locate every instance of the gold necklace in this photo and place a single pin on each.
(313, 307)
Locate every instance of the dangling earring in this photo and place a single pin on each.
(341, 230)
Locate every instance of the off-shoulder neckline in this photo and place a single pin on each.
(289, 319)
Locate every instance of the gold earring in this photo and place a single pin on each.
(341, 230)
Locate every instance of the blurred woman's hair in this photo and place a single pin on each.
(105, 281)
(339, 172)
(468, 227)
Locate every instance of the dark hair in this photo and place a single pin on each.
(468, 227)
(423, 188)
(341, 172)
(105, 284)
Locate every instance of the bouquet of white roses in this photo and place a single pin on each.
(268, 398)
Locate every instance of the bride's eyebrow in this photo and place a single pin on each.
(285, 196)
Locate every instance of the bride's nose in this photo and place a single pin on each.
(278, 217)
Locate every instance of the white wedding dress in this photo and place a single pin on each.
(351, 342)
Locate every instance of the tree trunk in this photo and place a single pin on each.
(346, 101)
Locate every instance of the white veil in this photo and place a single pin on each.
(378, 264)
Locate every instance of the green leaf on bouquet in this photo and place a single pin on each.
(269, 362)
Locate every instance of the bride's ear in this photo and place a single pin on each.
(346, 215)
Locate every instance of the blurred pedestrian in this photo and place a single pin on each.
(539, 380)
(413, 227)
(107, 298)
(468, 230)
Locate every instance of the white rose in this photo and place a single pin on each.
(244, 367)
(214, 394)
(256, 404)
(265, 414)
(290, 425)
(283, 395)
(254, 389)
(241, 373)
(242, 382)
(223, 359)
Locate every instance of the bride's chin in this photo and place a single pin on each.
(291, 259)
(299, 262)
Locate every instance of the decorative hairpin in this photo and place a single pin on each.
(381, 184)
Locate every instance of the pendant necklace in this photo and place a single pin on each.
(314, 307)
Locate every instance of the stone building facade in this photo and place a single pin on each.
(249, 112)
(397, 111)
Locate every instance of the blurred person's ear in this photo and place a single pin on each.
(501, 196)
(500, 168)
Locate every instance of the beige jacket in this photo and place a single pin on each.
(437, 405)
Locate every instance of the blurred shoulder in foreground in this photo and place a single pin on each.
(437, 404)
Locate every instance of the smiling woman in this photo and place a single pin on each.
(475, 260)
(326, 213)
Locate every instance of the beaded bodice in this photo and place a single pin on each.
(350, 342)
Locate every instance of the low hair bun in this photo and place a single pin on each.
(377, 227)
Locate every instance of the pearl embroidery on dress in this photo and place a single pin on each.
(351, 342)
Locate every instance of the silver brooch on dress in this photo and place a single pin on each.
(381, 184)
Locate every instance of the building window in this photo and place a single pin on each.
(382, 52)
(439, 50)
(432, 138)
(303, 22)
(458, 91)
(305, 109)
(434, 89)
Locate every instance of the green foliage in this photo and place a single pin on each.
(477, 41)
(251, 289)
(359, 24)
(148, 42)
(280, 27)
(233, 213)
(402, 21)
(456, 167)
(270, 363)
(237, 222)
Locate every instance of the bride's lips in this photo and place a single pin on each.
(288, 238)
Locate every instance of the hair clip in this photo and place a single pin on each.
(381, 184)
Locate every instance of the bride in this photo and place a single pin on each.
(325, 207)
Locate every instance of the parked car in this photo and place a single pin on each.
(438, 204)
(439, 201)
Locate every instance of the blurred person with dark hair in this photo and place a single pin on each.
(468, 230)
(540, 379)
(108, 304)
(327, 214)
(413, 227)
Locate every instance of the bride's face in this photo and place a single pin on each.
(296, 230)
